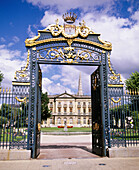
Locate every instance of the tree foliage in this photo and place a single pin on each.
(1, 77)
(45, 112)
(132, 83)
(123, 111)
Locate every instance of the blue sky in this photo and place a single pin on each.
(116, 20)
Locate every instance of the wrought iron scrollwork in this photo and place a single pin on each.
(69, 55)
(114, 78)
(23, 75)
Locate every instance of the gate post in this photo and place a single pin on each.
(32, 103)
(102, 109)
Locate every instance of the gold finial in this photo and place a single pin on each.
(6, 90)
(83, 23)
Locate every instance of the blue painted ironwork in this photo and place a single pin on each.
(34, 106)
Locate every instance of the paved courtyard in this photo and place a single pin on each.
(66, 146)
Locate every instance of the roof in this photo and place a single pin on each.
(67, 95)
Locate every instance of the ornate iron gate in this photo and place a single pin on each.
(68, 44)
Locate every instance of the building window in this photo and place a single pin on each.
(84, 121)
(50, 120)
(84, 111)
(71, 121)
(65, 110)
(70, 104)
(79, 121)
(59, 120)
(89, 111)
(79, 111)
(65, 121)
(89, 121)
(79, 105)
(59, 110)
(59, 104)
(70, 110)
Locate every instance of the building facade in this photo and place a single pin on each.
(72, 110)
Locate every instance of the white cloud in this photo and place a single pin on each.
(130, 9)
(2, 39)
(10, 44)
(30, 32)
(70, 77)
(124, 38)
(53, 88)
(136, 16)
(50, 18)
(16, 39)
(9, 64)
(45, 68)
(55, 77)
(63, 6)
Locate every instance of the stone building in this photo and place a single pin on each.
(72, 110)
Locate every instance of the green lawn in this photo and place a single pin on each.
(74, 129)
(6, 137)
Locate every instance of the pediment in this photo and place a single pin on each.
(65, 95)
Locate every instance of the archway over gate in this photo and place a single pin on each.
(69, 44)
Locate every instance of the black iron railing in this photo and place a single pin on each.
(124, 120)
(13, 120)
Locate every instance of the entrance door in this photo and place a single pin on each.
(98, 142)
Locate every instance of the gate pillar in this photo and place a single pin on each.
(34, 106)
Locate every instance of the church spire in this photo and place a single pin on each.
(80, 91)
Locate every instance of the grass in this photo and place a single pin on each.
(74, 129)
(14, 137)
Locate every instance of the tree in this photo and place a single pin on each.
(45, 112)
(5, 110)
(1, 77)
(132, 83)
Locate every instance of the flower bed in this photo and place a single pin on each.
(64, 126)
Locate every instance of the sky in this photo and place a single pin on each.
(116, 20)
